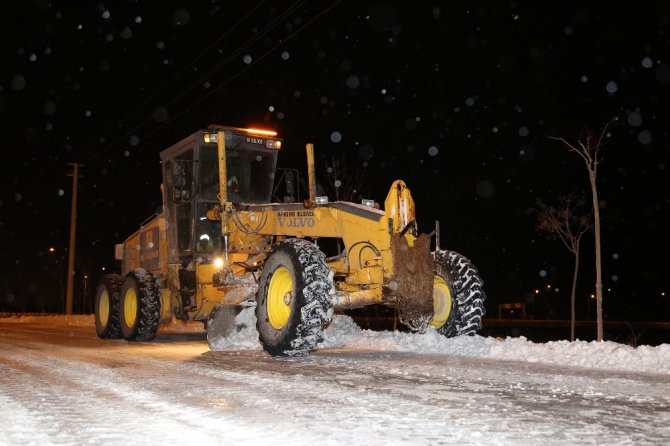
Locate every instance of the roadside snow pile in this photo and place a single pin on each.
(78, 320)
(594, 355)
(343, 332)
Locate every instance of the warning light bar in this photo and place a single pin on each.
(261, 132)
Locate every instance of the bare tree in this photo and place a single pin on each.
(565, 222)
(588, 147)
(343, 181)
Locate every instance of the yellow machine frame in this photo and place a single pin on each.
(364, 268)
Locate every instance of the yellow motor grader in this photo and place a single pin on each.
(220, 244)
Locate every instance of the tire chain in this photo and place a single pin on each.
(318, 291)
(149, 302)
(468, 289)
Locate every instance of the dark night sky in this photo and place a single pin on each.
(456, 100)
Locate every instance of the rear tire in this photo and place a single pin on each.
(467, 291)
(107, 323)
(139, 306)
(294, 299)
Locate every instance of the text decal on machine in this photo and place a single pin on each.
(296, 219)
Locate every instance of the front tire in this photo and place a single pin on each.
(466, 293)
(139, 306)
(107, 323)
(294, 299)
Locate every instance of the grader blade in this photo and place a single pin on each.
(413, 272)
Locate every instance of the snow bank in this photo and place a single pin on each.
(343, 332)
(78, 320)
(243, 337)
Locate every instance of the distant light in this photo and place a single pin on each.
(548, 286)
(103, 268)
(537, 291)
(52, 249)
(593, 296)
(663, 293)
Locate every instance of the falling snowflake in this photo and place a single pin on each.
(353, 82)
(635, 119)
(612, 87)
(18, 82)
(336, 137)
(126, 33)
(644, 137)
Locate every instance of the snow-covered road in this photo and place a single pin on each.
(60, 384)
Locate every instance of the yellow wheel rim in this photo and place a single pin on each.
(280, 295)
(103, 308)
(441, 302)
(130, 307)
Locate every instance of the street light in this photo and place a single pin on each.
(537, 291)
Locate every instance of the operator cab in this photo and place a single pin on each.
(191, 184)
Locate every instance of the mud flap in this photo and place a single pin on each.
(413, 272)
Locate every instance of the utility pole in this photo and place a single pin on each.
(73, 235)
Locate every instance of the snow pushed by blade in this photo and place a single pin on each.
(593, 355)
(342, 332)
(244, 336)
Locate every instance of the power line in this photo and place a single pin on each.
(290, 10)
(240, 72)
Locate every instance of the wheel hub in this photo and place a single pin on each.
(280, 297)
(441, 302)
(103, 308)
(130, 307)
